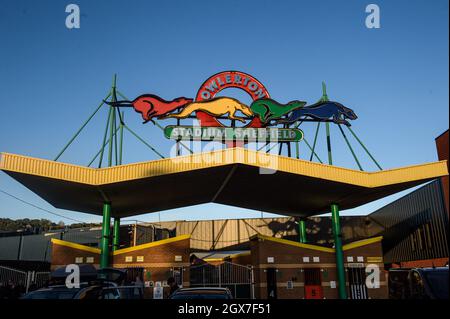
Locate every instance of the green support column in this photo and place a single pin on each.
(302, 230)
(324, 98)
(106, 224)
(116, 233)
(330, 157)
(339, 252)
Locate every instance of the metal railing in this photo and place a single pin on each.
(237, 278)
(23, 279)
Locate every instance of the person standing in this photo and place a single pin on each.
(172, 284)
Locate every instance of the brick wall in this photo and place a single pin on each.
(290, 263)
(154, 261)
(65, 253)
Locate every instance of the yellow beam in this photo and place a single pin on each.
(213, 259)
(294, 243)
(75, 245)
(361, 243)
(349, 246)
(150, 245)
(247, 253)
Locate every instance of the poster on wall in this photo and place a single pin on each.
(158, 292)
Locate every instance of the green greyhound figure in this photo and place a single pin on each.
(268, 109)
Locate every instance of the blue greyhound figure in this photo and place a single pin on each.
(322, 111)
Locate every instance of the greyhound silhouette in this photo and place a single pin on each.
(323, 111)
(215, 107)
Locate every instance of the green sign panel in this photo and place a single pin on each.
(232, 134)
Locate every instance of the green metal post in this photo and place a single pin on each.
(80, 129)
(102, 150)
(121, 138)
(324, 92)
(311, 149)
(116, 234)
(144, 142)
(302, 230)
(315, 141)
(365, 148)
(297, 150)
(336, 225)
(116, 157)
(106, 224)
(350, 147)
(324, 98)
(111, 141)
(112, 123)
(330, 157)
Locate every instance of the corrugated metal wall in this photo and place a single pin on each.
(9, 247)
(233, 234)
(38, 247)
(416, 225)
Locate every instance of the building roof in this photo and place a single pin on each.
(119, 251)
(349, 246)
(442, 135)
(234, 176)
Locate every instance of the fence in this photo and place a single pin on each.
(237, 278)
(26, 279)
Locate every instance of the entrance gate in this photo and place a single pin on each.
(237, 278)
(357, 282)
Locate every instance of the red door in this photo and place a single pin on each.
(313, 284)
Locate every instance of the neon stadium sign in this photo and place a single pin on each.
(260, 119)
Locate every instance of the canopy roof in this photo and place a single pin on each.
(231, 177)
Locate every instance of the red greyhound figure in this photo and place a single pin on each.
(151, 106)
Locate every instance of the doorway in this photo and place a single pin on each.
(271, 283)
(313, 283)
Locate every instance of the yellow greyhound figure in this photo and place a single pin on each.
(216, 107)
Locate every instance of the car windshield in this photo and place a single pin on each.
(52, 294)
(438, 283)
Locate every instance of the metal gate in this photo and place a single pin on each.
(313, 283)
(237, 278)
(357, 282)
(25, 279)
(40, 279)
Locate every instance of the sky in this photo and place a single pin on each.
(52, 78)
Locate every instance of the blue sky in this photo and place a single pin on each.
(52, 78)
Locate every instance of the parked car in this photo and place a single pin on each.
(419, 283)
(106, 283)
(202, 293)
(85, 291)
(88, 292)
(122, 292)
